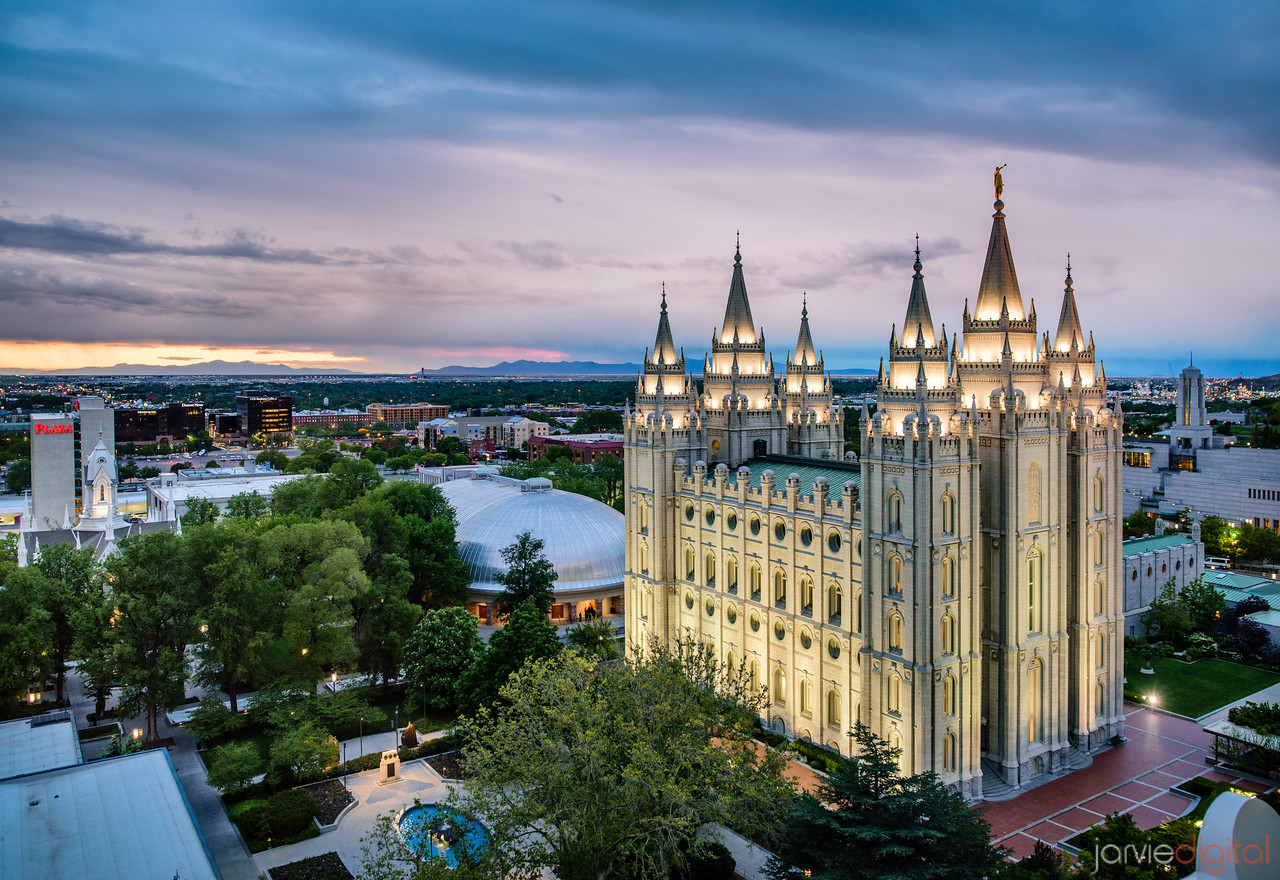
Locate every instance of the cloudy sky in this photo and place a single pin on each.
(392, 184)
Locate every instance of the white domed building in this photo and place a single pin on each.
(582, 537)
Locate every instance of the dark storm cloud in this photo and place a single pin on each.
(36, 290)
(1128, 80)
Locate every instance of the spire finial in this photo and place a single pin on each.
(737, 248)
(1069, 281)
(664, 297)
(804, 304)
(918, 266)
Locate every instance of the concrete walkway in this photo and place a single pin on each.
(419, 782)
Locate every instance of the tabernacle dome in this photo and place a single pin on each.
(582, 537)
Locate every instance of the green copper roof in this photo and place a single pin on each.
(807, 469)
(1146, 545)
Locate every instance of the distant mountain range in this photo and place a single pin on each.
(563, 368)
(208, 368)
(249, 368)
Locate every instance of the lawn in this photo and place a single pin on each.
(1195, 689)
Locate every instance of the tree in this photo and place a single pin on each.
(248, 505)
(526, 636)
(1215, 534)
(1205, 605)
(529, 575)
(272, 458)
(870, 821)
(1167, 619)
(451, 446)
(234, 766)
(383, 616)
(304, 750)
(610, 770)
(26, 631)
(443, 646)
(18, 477)
(153, 620)
(1139, 523)
(71, 579)
(1044, 863)
(1251, 638)
(595, 638)
(199, 512)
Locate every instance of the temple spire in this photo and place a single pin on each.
(664, 348)
(738, 326)
(806, 353)
(1069, 331)
(918, 324)
(999, 280)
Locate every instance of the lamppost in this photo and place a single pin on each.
(396, 735)
(362, 734)
(344, 766)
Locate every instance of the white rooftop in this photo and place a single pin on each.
(263, 484)
(25, 748)
(122, 818)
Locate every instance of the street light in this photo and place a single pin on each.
(344, 766)
(397, 730)
(362, 734)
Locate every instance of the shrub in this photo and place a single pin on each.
(234, 765)
(251, 817)
(289, 812)
(1263, 718)
(711, 861)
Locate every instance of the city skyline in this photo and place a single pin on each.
(421, 185)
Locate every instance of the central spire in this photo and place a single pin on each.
(806, 354)
(918, 322)
(1069, 331)
(999, 280)
(737, 313)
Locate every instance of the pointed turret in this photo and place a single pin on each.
(999, 280)
(918, 324)
(806, 354)
(1069, 331)
(738, 326)
(664, 348)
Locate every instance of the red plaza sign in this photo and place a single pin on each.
(38, 428)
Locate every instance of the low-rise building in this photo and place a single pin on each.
(399, 415)
(170, 497)
(583, 448)
(1149, 564)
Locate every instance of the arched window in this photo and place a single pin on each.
(948, 514)
(1099, 494)
(753, 675)
(895, 631)
(893, 513)
(731, 573)
(1097, 596)
(1033, 492)
(895, 743)
(806, 596)
(895, 573)
(689, 563)
(949, 753)
(948, 575)
(834, 600)
(833, 708)
(856, 611)
(779, 685)
(755, 582)
(642, 511)
(806, 697)
(1100, 656)
(1100, 701)
(1035, 698)
(709, 568)
(949, 695)
(894, 699)
(948, 634)
(1100, 547)
(780, 588)
(1035, 593)
(644, 558)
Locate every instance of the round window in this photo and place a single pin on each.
(779, 530)
(833, 648)
(731, 520)
(688, 600)
(1134, 576)
(806, 640)
(755, 623)
(710, 515)
(1164, 568)
(806, 535)
(755, 524)
(1177, 566)
(688, 511)
(711, 608)
(833, 541)
(1148, 571)
(779, 631)
(731, 614)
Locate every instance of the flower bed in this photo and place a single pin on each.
(326, 866)
(331, 797)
